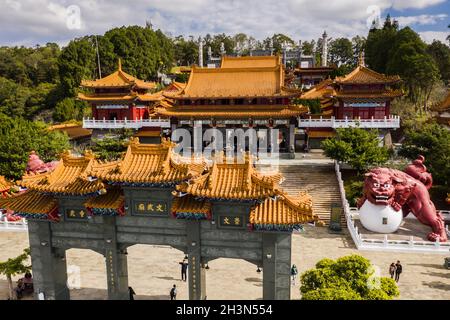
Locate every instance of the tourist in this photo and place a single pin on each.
(294, 273)
(184, 265)
(132, 293)
(173, 292)
(398, 270)
(19, 289)
(392, 270)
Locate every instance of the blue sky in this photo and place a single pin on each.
(31, 22)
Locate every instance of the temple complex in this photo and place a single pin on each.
(118, 99)
(245, 92)
(150, 196)
(362, 97)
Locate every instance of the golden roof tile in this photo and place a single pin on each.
(112, 199)
(5, 185)
(240, 78)
(283, 211)
(188, 207)
(32, 203)
(364, 75)
(69, 177)
(147, 164)
(251, 62)
(118, 79)
(238, 181)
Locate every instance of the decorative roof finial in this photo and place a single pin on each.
(362, 62)
(120, 64)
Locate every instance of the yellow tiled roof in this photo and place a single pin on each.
(73, 130)
(108, 97)
(235, 82)
(364, 75)
(234, 180)
(370, 95)
(231, 112)
(5, 185)
(284, 210)
(188, 204)
(112, 199)
(319, 91)
(30, 202)
(147, 163)
(118, 79)
(251, 62)
(69, 177)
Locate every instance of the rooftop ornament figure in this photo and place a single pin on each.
(392, 194)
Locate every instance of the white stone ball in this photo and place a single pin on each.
(380, 218)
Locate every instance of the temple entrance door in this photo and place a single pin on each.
(233, 279)
(153, 270)
(86, 275)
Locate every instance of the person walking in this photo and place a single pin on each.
(398, 270)
(294, 273)
(173, 292)
(392, 270)
(184, 266)
(131, 292)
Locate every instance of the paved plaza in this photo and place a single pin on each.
(153, 270)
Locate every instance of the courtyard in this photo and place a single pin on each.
(153, 270)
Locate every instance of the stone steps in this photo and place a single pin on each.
(321, 184)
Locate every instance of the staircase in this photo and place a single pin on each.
(321, 184)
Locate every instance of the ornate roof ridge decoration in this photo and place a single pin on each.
(228, 179)
(250, 61)
(32, 204)
(148, 164)
(118, 79)
(71, 176)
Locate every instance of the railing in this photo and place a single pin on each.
(128, 124)
(387, 122)
(6, 225)
(386, 244)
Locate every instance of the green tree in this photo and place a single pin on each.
(347, 278)
(441, 55)
(186, 51)
(433, 142)
(341, 52)
(70, 109)
(14, 266)
(357, 147)
(18, 137)
(112, 146)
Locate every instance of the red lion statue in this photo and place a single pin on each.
(408, 191)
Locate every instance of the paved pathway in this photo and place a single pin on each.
(153, 270)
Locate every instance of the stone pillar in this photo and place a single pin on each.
(197, 274)
(48, 264)
(116, 262)
(291, 140)
(276, 266)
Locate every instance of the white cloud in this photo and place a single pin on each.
(415, 4)
(423, 19)
(38, 21)
(429, 36)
